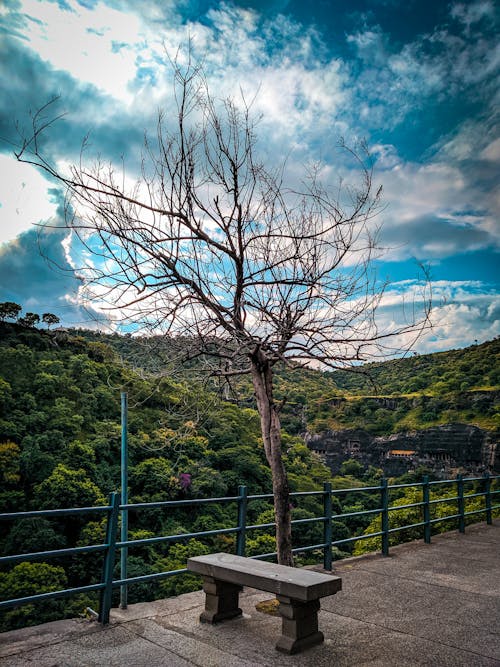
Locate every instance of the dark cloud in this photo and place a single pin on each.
(430, 237)
(35, 273)
(88, 112)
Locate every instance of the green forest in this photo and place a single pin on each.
(188, 438)
(455, 386)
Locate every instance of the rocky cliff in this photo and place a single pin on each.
(445, 449)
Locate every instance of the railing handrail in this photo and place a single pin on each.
(113, 509)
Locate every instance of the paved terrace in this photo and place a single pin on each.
(436, 604)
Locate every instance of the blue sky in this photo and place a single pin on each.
(418, 79)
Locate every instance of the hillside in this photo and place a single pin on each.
(417, 392)
(458, 386)
(60, 406)
(60, 447)
(475, 367)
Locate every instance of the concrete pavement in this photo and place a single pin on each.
(436, 604)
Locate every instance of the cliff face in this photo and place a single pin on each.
(441, 448)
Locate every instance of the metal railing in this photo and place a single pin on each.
(109, 548)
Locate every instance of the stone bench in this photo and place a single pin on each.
(297, 590)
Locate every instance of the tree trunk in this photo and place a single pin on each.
(262, 378)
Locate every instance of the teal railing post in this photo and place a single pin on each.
(461, 504)
(242, 520)
(384, 504)
(109, 559)
(487, 498)
(328, 529)
(427, 509)
(124, 499)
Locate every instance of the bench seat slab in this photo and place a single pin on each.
(297, 583)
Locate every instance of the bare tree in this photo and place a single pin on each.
(210, 245)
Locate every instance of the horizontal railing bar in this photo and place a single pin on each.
(334, 543)
(358, 537)
(36, 513)
(445, 518)
(293, 522)
(444, 481)
(442, 500)
(272, 554)
(436, 482)
(299, 494)
(261, 525)
(313, 547)
(411, 525)
(360, 513)
(148, 577)
(175, 538)
(49, 596)
(179, 503)
(55, 553)
(150, 540)
(201, 501)
(293, 494)
(395, 508)
(357, 488)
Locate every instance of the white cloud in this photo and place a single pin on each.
(446, 205)
(86, 42)
(394, 81)
(24, 198)
(473, 12)
(457, 324)
(126, 56)
(462, 311)
(491, 152)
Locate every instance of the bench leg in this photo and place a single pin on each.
(221, 600)
(299, 625)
